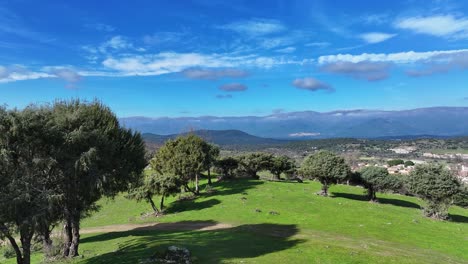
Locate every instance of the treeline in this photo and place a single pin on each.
(56, 161)
(182, 160)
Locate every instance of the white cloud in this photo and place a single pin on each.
(304, 134)
(286, 50)
(376, 37)
(399, 57)
(255, 27)
(317, 44)
(311, 84)
(116, 43)
(171, 62)
(214, 74)
(439, 25)
(20, 73)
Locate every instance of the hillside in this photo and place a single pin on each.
(435, 121)
(306, 228)
(218, 137)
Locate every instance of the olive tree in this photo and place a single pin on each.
(227, 166)
(436, 185)
(281, 164)
(185, 157)
(252, 163)
(96, 157)
(28, 176)
(326, 167)
(377, 179)
(211, 160)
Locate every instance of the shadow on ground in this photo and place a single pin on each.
(360, 197)
(190, 205)
(458, 218)
(207, 246)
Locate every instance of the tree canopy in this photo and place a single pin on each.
(326, 167)
(252, 163)
(436, 185)
(378, 179)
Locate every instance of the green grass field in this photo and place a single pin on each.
(307, 229)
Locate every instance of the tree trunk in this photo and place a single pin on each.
(19, 255)
(197, 191)
(324, 191)
(209, 176)
(371, 194)
(75, 229)
(67, 232)
(278, 176)
(47, 243)
(162, 203)
(26, 235)
(155, 209)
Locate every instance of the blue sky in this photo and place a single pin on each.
(235, 58)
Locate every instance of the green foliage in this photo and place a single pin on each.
(226, 166)
(395, 162)
(251, 164)
(154, 184)
(185, 157)
(436, 186)
(461, 198)
(281, 164)
(96, 158)
(326, 167)
(28, 175)
(409, 163)
(378, 179)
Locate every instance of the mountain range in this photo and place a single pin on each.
(435, 121)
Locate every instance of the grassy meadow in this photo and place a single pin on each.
(278, 222)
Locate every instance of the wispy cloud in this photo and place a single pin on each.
(214, 74)
(12, 24)
(224, 96)
(399, 57)
(100, 27)
(304, 134)
(376, 37)
(163, 37)
(233, 87)
(371, 71)
(311, 84)
(20, 73)
(286, 50)
(318, 44)
(255, 27)
(70, 76)
(441, 64)
(171, 62)
(448, 26)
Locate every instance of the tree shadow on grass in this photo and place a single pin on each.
(207, 246)
(360, 197)
(458, 218)
(190, 205)
(235, 186)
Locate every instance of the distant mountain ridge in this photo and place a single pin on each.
(435, 121)
(218, 137)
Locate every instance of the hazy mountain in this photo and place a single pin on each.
(437, 121)
(219, 137)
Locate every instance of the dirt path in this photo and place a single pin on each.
(179, 226)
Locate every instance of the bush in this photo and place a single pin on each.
(436, 186)
(461, 198)
(395, 162)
